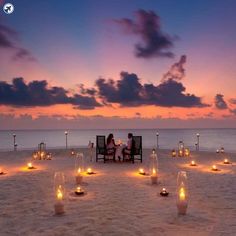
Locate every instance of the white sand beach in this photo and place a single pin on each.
(119, 201)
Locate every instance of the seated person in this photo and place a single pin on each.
(130, 143)
(110, 146)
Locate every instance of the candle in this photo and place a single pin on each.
(78, 177)
(180, 153)
(182, 202)
(1, 171)
(35, 155)
(42, 154)
(89, 171)
(187, 152)
(214, 168)
(59, 206)
(154, 176)
(164, 192)
(182, 193)
(226, 161)
(173, 153)
(59, 194)
(141, 171)
(49, 156)
(30, 165)
(79, 191)
(153, 172)
(193, 163)
(222, 150)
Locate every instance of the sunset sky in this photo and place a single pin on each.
(118, 64)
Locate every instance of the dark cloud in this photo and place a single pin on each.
(147, 25)
(89, 91)
(38, 93)
(8, 40)
(128, 91)
(22, 53)
(177, 70)
(6, 35)
(220, 102)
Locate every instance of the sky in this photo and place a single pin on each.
(118, 64)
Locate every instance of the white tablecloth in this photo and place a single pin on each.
(119, 151)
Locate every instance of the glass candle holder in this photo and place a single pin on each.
(186, 152)
(193, 163)
(30, 165)
(59, 193)
(141, 171)
(182, 193)
(181, 149)
(79, 168)
(173, 153)
(153, 167)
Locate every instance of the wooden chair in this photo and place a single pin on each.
(136, 150)
(101, 149)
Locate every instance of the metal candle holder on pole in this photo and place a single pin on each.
(14, 142)
(66, 133)
(157, 134)
(198, 137)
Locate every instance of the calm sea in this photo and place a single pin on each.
(210, 139)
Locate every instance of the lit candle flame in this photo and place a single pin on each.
(89, 170)
(30, 165)
(79, 171)
(154, 172)
(182, 194)
(226, 161)
(59, 193)
(141, 171)
(193, 163)
(214, 167)
(163, 189)
(78, 189)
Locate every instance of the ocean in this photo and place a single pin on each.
(210, 139)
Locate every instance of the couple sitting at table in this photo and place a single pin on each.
(112, 147)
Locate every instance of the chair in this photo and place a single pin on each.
(101, 149)
(136, 150)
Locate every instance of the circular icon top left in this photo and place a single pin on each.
(8, 8)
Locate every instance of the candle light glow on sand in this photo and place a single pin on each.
(226, 161)
(90, 171)
(1, 171)
(193, 163)
(164, 192)
(79, 191)
(214, 168)
(30, 165)
(141, 171)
